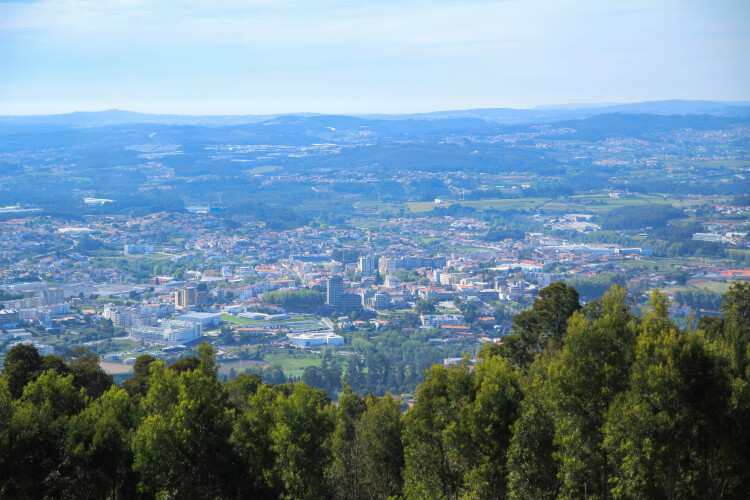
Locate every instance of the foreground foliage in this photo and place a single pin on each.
(579, 402)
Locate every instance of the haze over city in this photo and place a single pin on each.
(261, 57)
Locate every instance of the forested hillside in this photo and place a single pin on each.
(578, 402)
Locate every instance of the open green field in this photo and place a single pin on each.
(240, 365)
(263, 169)
(503, 204)
(379, 206)
(425, 206)
(295, 363)
(488, 204)
(122, 345)
(726, 163)
(463, 249)
(714, 286)
(136, 258)
(231, 318)
(599, 203)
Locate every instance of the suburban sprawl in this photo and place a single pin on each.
(358, 249)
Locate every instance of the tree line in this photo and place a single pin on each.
(577, 402)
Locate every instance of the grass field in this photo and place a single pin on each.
(294, 364)
(262, 169)
(379, 206)
(231, 318)
(240, 365)
(425, 206)
(715, 286)
(503, 204)
(603, 203)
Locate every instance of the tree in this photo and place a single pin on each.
(182, 447)
(542, 327)
(424, 307)
(661, 433)
(253, 442)
(378, 435)
(22, 365)
(33, 452)
(304, 421)
(84, 365)
(188, 364)
(138, 384)
(480, 438)
(346, 468)
(593, 367)
(241, 388)
(99, 448)
(431, 469)
(736, 309)
(532, 467)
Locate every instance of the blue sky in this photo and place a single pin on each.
(358, 56)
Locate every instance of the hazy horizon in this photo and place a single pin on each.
(539, 107)
(261, 57)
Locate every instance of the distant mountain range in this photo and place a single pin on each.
(540, 114)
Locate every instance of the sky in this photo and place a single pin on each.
(360, 56)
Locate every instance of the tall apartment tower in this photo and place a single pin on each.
(334, 290)
(367, 265)
(186, 297)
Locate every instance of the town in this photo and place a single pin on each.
(162, 283)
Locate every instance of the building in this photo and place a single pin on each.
(152, 334)
(315, 339)
(714, 237)
(392, 281)
(180, 332)
(207, 320)
(436, 320)
(118, 315)
(381, 300)
(42, 349)
(367, 265)
(9, 318)
(185, 298)
(53, 296)
(138, 249)
(334, 290)
(350, 301)
(168, 333)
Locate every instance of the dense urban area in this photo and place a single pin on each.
(430, 262)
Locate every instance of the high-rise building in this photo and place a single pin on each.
(334, 290)
(186, 297)
(367, 265)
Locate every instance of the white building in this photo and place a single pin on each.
(43, 349)
(436, 320)
(168, 333)
(179, 332)
(315, 339)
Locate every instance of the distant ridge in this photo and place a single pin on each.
(545, 114)
(540, 114)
